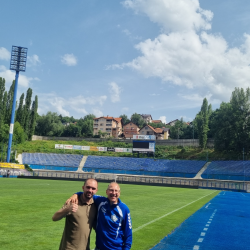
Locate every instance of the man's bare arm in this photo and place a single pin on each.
(73, 199)
(64, 211)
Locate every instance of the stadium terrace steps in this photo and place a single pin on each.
(84, 159)
(198, 176)
(19, 159)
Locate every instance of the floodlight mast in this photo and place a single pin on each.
(17, 63)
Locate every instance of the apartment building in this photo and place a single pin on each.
(130, 129)
(111, 125)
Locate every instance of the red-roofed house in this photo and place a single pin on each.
(160, 133)
(149, 130)
(156, 121)
(130, 129)
(111, 125)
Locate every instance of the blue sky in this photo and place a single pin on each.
(109, 57)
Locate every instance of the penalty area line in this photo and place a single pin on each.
(152, 221)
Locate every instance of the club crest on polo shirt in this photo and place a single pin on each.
(114, 218)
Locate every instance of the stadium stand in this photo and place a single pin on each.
(62, 162)
(14, 172)
(127, 165)
(228, 170)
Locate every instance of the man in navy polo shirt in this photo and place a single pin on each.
(114, 226)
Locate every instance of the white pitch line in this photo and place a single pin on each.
(152, 221)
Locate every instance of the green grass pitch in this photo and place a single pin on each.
(26, 208)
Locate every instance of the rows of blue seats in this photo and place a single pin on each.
(142, 164)
(55, 168)
(228, 170)
(66, 160)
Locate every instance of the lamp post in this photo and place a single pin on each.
(17, 63)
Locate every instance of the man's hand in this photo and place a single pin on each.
(73, 199)
(73, 208)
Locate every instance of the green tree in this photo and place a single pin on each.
(4, 132)
(49, 125)
(33, 118)
(177, 131)
(125, 119)
(202, 119)
(137, 119)
(27, 111)
(231, 123)
(158, 125)
(20, 111)
(19, 136)
(2, 104)
(222, 127)
(9, 102)
(72, 130)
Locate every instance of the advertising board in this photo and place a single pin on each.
(93, 148)
(110, 149)
(102, 148)
(144, 137)
(119, 150)
(127, 150)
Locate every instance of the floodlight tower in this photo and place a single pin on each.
(17, 63)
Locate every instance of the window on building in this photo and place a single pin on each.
(146, 127)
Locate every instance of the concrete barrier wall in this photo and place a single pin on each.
(243, 186)
(180, 142)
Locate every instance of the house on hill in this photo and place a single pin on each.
(111, 125)
(147, 118)
(130, 129)
(160, 133)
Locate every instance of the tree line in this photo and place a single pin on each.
(25, 114)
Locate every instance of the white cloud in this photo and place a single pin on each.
(184, 53)
(4, 54)
(9, 76)
(173, 15)
(125, 109)
(69, 60)
(65, 106)
(126, 32)
(97, 112)
(154, 94)
(33, 60)
(163, 119)
(115, 92)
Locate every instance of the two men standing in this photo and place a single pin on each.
(113, 228)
